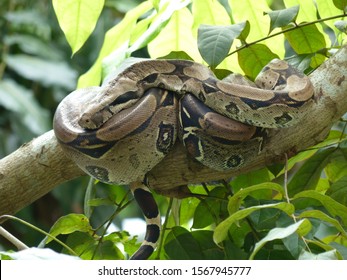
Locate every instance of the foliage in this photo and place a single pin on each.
(292, 211)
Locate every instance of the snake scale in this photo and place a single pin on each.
(119, 132)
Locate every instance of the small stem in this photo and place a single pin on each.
(285, 31)
(72, 252)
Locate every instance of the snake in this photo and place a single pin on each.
(119, 131)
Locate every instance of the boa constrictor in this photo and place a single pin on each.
(119, 132)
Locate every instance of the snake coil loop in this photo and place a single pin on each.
(119, 132)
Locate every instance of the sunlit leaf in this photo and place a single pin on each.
(307, 39)
(77, 18)
(117, 38)
(158, 22)
(209, 12)
(176, 36)
(254, 58)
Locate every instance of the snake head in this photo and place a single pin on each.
(88, 121)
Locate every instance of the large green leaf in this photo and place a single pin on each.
(327, 10)
(77, 18)
(302, 228)
(143, 34)
(209, 12)
(176, 36)
(307, 39)
(221, 230)
(254, 58)
(253, 12)
(117, 38)
(214, 42)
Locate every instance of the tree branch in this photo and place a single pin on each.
(39, 166)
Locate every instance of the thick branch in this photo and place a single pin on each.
(37, 167)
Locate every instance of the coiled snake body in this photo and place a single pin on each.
(119, 132)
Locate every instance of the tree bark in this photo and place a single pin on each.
(40, 165)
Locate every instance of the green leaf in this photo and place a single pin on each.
(221, 230)
(338, 191)
(70, 223)
(333, 207)
(340, 4)
(309, 173)
(160, 19)
(214, 42)
(236, 200)
(281, 18)
(181, 245)
(326, 10)
(307, 39)
(116, 41)
(323, 217)
(303, 227)
(254, 58)
(209, 12)
(77, 19)
(245, 32)
(176, 36)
